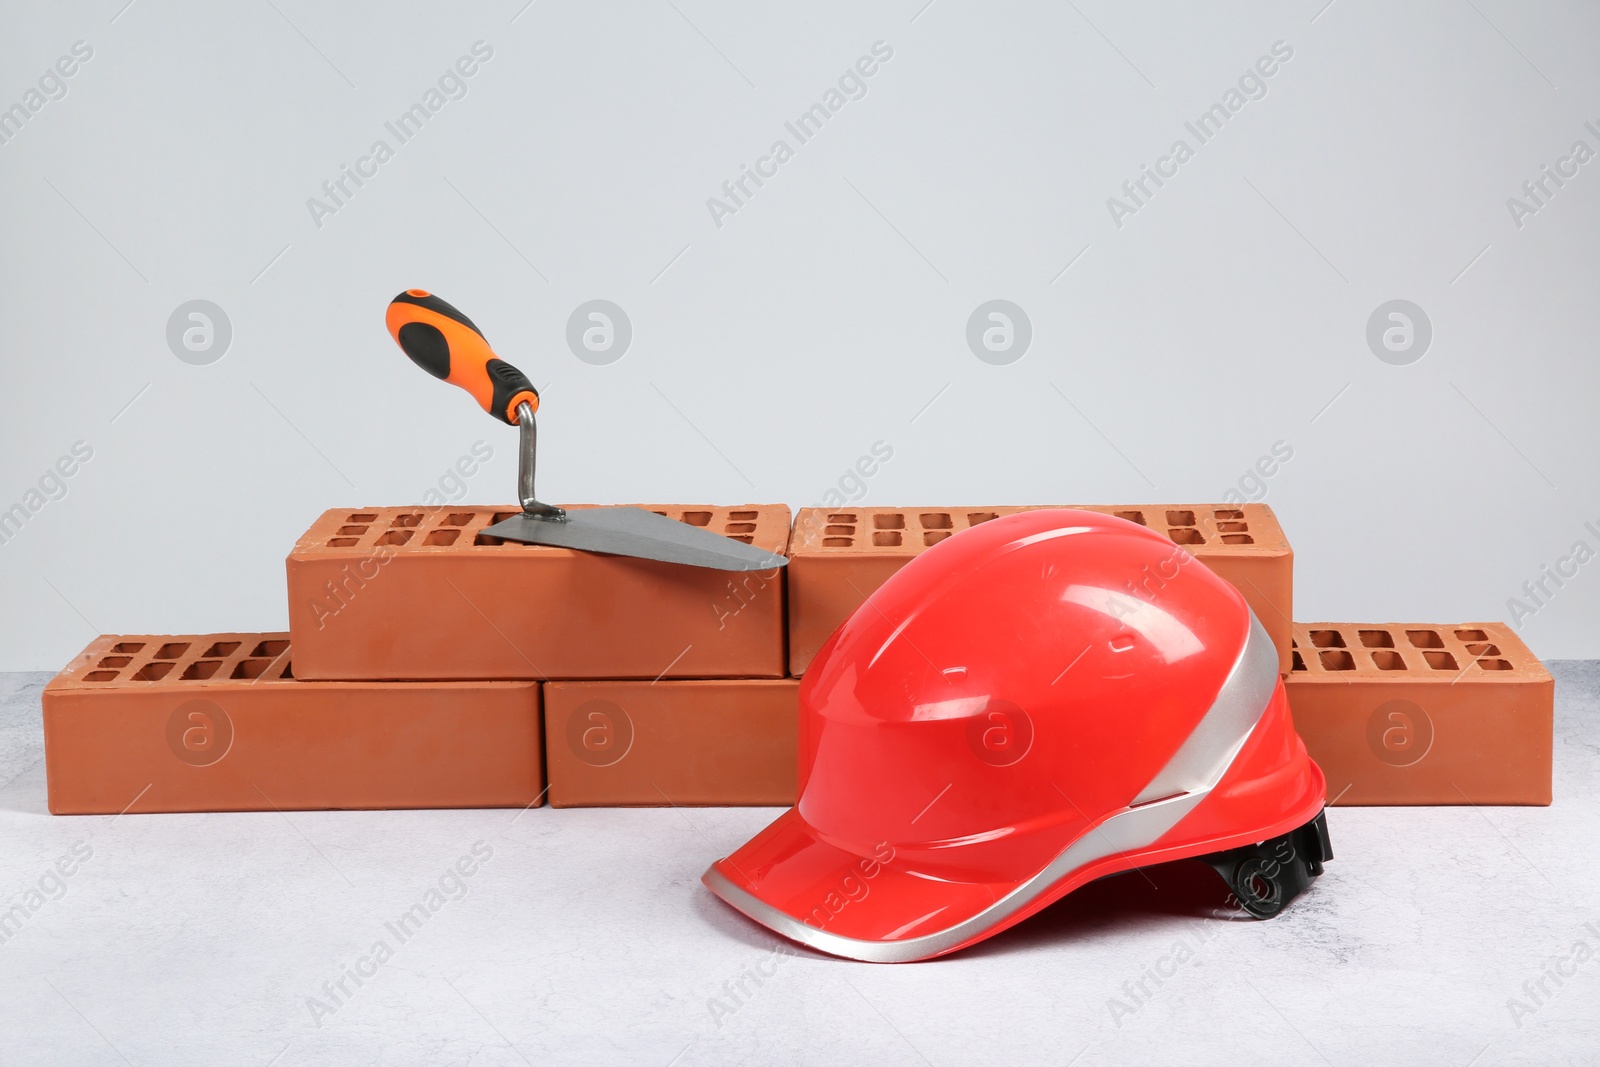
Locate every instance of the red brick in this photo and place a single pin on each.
(217, 722)
(1423, 713)
(419, 593)
(704, 742)
(838, 556)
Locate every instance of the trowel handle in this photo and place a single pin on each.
(446, 344)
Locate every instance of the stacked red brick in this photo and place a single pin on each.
(1411, 713)
(662, 684)
(218, 722)
(420, 646)
(839, 556)
(433, 665)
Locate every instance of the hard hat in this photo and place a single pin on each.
(1039, 701)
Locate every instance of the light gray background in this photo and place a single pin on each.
(830, 313)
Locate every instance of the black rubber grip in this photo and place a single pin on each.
(508, 382)
(427, 347)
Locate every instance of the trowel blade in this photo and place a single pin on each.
(623, 531)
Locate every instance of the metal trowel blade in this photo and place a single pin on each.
(642, 534)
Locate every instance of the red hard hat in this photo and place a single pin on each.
(1039, 701)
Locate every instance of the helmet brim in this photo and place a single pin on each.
(869, 907)
(878, 907)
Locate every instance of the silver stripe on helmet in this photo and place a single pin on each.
(1216, 739)
(1192, 772)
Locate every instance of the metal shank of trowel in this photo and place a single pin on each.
(532, 506)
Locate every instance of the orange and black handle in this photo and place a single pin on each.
(447, 345)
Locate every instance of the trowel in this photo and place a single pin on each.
(446, 344)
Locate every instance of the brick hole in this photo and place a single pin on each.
(128, 646)
(409, 519)
(221, 648)
(745, 538)
(99, 676)
(488, 540)
(1238, 539)
(1180, 518)
(1388, 661)
(250, 668)
(933, 537)
(889, 522)
(362, 516)
(1227, 513)
(287, 673)
(352, 531)
(663, 514)
(975, 517)
(153, 671)
(1233, 527)
(935, 520)
(1132, 516)
(115, 661)
(1494, 664)
(1299, 663)
(272, 647)
(172, 650)
(201, 669)
(741, 527)
(837, 542)
(1440, 661)
(843, 517)
(1186, 536)
(457, 518)
(1477, 648)
(1472, 635)
(395, 537)
(886, 538)
(1327, 638)
(742, 516)
(1337, 660)
(697, 518)
(1424, 639)
(1376, 638)
(441, 537)
(341, 542)
(840, 530)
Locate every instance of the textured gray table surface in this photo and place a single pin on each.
(585, 937)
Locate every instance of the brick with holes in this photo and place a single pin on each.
(423, 593)
(840, 555)
(1414, 713)
(683, 742)
(219, 722)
